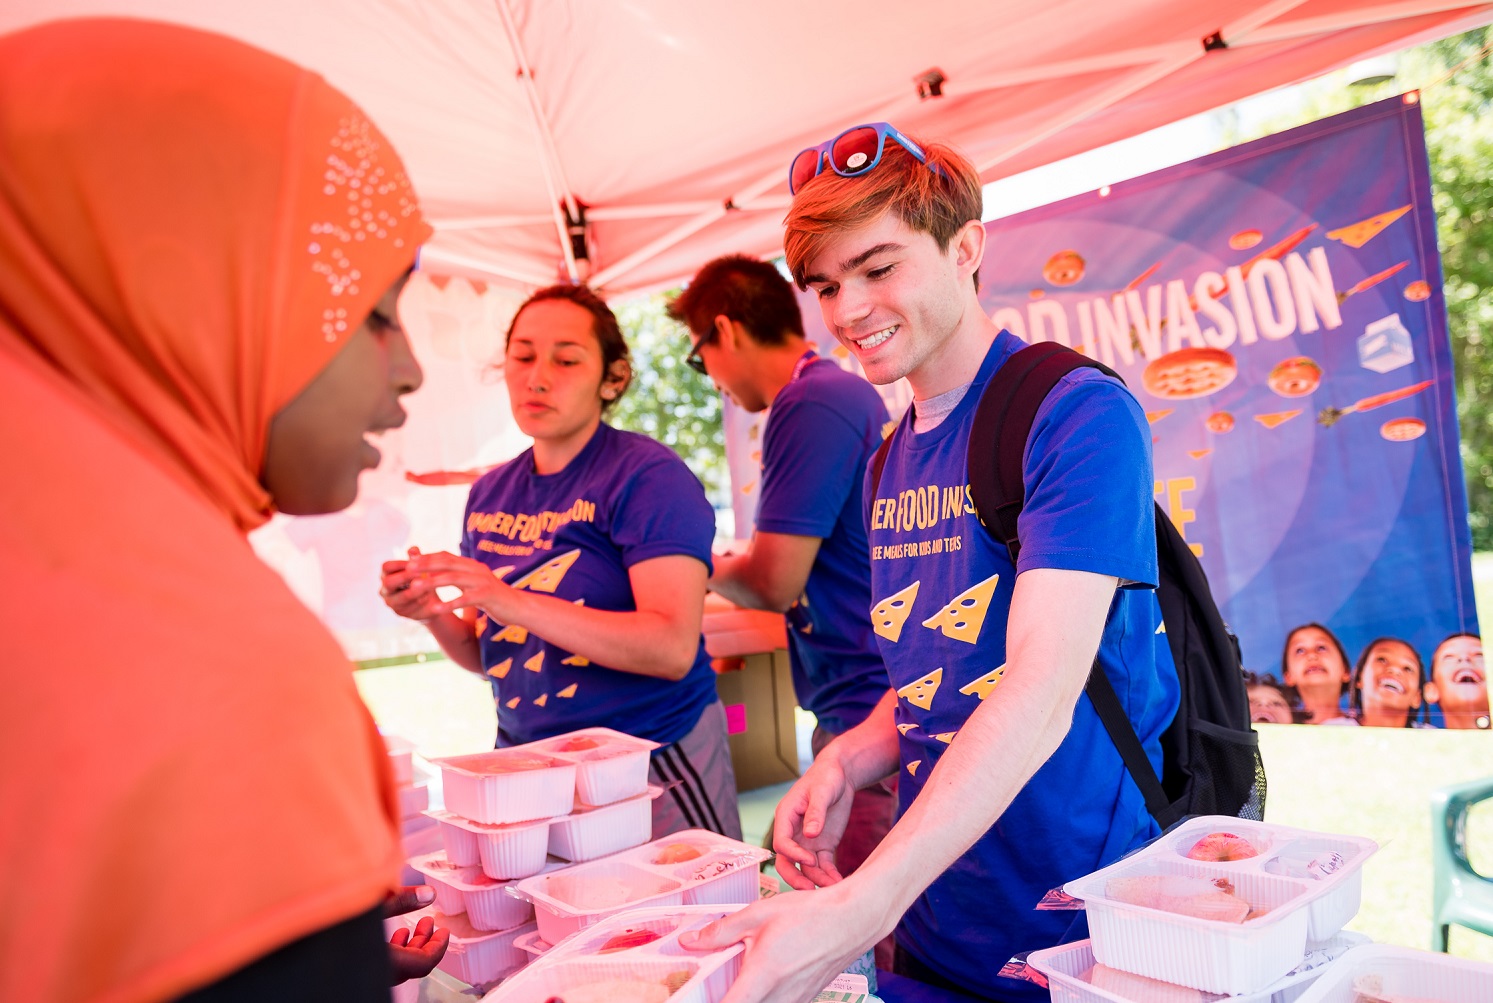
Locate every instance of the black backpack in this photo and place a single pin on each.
(1210, 755)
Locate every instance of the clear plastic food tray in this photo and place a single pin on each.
(508, 785)
(1073, 976)
(1331, 865)
(1403, 972)
(588, 833)
(505, 852)
(694, 867)
(476, 957)
(446, 879)
(640, 949)
(1290, 871)
(1220, 957)
(401, 759)
(610, 766)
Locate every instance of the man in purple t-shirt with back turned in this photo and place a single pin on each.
(808, 557)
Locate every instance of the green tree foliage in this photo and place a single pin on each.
(668, 400)
(1456, 83)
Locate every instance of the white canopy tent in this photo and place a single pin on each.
(670, 123)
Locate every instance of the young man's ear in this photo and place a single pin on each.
(969, 247)
(725, 332)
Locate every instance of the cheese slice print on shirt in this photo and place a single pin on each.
(963, 617)
(548, 576)
(500, 670)
(920, 692)
(513, 633)
(536, 663)
(888, 616)
(981, 687)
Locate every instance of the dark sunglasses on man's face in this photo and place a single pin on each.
(693, 359)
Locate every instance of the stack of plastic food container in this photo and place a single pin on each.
(694, 867)
(578, 796)
(417, 833)
(1217, 907)
(634, 956)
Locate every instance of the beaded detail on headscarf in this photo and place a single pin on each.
(357, 173)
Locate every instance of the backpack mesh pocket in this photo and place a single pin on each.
(1228, 773)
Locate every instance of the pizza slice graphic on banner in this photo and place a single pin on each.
(888, 616)
(1276, 418)
(920, 692)
(1365, 230)
(983, 686)
(514, 633)
(547, 577)
(963, 617)
(500, 670)
(536, 664)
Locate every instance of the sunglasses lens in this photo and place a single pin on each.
(805, 167)
(855, 151)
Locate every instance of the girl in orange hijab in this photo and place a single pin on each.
(200, 249)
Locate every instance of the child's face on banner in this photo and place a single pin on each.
(1267, 705)
(1457, 668)
(1390, 680)
(1313, 662)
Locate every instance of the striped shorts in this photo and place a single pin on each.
(699, 783)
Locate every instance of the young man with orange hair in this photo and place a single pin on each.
(1010, 785)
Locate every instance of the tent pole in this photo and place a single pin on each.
(549, 157)
(437, 256)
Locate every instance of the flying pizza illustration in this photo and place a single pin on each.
(1064, 268)
(1152, 417)
(1245, 239)
(1220, 422)
(1365, 230)
(1189, 372)
(1295, 377)
(1402, 429)
(1331, 415)
(1418, 290)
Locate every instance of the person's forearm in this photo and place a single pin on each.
(457, 640)
(638, 641)
(867, 754)
(736, 577)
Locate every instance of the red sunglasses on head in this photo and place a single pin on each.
(850, 154)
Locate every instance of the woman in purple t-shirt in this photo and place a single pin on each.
(583, 567)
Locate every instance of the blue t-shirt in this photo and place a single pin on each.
(821, 432)
(942, 588)
(624, 499)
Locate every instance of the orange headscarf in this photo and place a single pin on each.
(190, 229)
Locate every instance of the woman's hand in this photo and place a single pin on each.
(480, 588)
(395, 579)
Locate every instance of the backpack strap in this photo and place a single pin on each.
(1002, 424)
(878, 462)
